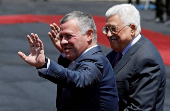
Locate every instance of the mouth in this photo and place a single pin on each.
(66, 50)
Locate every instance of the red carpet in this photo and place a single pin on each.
(161, 41)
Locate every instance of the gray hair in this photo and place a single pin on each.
(128, 14)
(84, 21)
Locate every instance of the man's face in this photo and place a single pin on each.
(73, 42)
(121, 38)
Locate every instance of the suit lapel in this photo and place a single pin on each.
(126, 58)
(122, 62)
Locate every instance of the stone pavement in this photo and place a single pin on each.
(21, 89)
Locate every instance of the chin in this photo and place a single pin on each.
(113, 47)
(69, 57)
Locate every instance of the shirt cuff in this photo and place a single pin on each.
(44, 70)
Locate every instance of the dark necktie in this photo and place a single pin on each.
(119, 56)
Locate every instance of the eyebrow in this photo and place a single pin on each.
(110, 25)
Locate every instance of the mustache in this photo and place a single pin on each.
(113, 38)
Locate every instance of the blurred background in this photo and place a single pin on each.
(21, 89)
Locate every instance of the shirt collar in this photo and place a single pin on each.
(131, 44)
(85, 52)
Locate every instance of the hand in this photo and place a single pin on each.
(54, 35)
(36, 57)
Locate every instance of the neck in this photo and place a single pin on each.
(92, 44)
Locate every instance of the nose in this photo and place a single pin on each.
(109, 34)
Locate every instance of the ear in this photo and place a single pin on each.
(133, 29)
(89, 34)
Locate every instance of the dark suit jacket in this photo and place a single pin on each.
(140, 77)
(87, 85)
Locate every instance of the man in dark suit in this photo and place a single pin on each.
(159, 11)
(162, 7)
(140, 73)
(88, 84)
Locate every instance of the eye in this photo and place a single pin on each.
(61, 37)
(106, 29)
(113, 28)
(68, 36)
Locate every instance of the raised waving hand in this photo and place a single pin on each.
(54, 35)
(36, 57)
